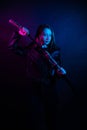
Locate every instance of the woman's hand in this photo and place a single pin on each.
(61, 71)
(23, 31)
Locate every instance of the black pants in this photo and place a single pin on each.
(44, 101)
(37, 106)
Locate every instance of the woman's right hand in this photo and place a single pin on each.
(23, 31)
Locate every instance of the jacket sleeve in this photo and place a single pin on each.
(56, 56)
(14, 44)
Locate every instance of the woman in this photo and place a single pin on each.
(42, 72)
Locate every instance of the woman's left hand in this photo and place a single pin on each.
(63, 71)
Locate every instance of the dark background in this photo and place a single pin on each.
(69, 21)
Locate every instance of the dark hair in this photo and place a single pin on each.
(52, 45)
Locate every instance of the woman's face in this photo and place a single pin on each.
(45, 37)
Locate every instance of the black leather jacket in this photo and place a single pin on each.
(38, 67)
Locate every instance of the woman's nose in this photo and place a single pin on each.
(47, 37)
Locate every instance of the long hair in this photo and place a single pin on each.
(52, 45)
